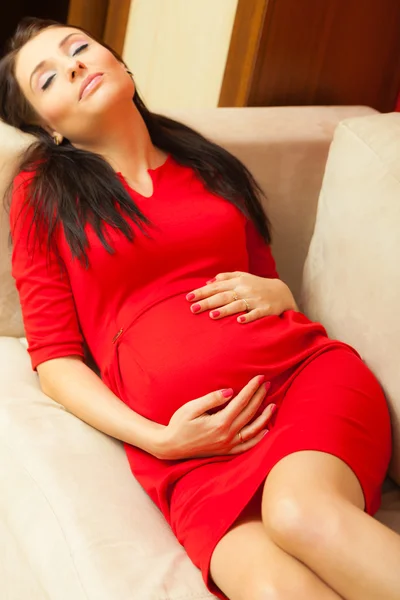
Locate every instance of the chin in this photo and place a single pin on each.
(107, 97)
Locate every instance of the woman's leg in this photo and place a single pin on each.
(247, 565)
(312, 508)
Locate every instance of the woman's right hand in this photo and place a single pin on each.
(193, 432)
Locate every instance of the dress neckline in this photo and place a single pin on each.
(154, 173)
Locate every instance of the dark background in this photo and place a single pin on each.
(12, 11)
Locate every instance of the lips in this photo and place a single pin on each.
(88, 83)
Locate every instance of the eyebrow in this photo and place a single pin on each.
(43, 62)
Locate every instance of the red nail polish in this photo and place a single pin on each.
(261, 379)
(196, 308)
(242, 319)
(227, 393)
(273, 409)
(215, 314)
(211, 280)
(190, 297)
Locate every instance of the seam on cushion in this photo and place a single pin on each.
(54, 514)
(344, 124)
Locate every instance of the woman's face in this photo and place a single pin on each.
(72, 82)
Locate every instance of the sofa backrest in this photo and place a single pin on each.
(12, 144)
(285, 148)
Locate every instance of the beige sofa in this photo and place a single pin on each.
(74, 524)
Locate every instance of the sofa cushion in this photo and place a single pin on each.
(12, 143)
(351, 277)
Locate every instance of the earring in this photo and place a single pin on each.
(57, 139)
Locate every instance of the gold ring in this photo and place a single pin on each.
(240, 437)
(235, 296)
(247, 304)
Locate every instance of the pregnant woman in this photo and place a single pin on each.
(263, 442)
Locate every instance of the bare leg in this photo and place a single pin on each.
(247, 565)
(312, 508)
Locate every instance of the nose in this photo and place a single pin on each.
(76, 68)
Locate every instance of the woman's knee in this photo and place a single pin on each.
(305, 518)
(259, 587)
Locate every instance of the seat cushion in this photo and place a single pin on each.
(351, 277)
(73, 508)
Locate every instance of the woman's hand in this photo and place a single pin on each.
(193, 432)
(232, 293)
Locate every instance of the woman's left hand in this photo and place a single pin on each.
(232, 293)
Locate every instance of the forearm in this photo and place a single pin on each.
(72, 384)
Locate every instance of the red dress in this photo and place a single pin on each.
(155, 355)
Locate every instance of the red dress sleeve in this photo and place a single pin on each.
(261, 261)
(48, 309)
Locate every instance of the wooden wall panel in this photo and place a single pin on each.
(104, 19)
(89, 14)
(116, 23)
(243, 50)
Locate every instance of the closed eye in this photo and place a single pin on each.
(48, 82)
(80, 49)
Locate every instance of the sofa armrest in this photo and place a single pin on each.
(72, 506)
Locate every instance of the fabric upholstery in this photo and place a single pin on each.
(351, 278)
(73, 521)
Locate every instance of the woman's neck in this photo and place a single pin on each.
(126, 144)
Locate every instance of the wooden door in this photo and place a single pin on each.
(305, 52)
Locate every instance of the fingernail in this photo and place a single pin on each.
(273, 409)
(190, 296)
(241, 319)
(215, 314)
(195, 308)
(211, 280)
(267, 385)
(265, 432)
(227, 393)
(261, 379)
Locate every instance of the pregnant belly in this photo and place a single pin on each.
(169, 356)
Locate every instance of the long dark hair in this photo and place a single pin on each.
(72, 187)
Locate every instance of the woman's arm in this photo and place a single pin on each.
(261, 260)
(192, 432)
(56, 347)
(71, 383)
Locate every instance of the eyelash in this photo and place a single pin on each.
(48, 81)
(78, 50)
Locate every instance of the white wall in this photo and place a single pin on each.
(177, 50)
